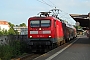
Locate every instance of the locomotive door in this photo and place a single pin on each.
(55, 30)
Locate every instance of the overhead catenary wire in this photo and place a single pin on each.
(53, 5)
(47, 3)
(42, 1)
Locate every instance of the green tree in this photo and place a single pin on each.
(17, 25)
(16, 32)
(78, 27)
(23, 25)
(1, 33)
(11, 25)
(5, 32)
(11, 31)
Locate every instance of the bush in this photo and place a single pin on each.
(11, 51)
(5, 52)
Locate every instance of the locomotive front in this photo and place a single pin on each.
(40, 32)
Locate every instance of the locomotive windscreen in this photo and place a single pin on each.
(40, 23)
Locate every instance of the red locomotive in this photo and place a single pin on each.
(47, 32)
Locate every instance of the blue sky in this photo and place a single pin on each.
(18, 11)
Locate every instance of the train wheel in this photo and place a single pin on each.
(60, 43)
(51, 47)
(54, 46)
(66, 40)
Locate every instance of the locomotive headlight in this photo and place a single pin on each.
(30, 36)
(49, 36)
(40, 29)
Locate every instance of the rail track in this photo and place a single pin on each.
(27, 57)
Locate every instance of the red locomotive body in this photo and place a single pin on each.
(45, 31)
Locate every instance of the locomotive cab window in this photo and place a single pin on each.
(40, 23)
(34, 23)
(45, 23)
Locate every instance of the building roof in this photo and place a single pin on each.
(82, 19)
(3, 22)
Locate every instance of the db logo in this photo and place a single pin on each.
(40, 32)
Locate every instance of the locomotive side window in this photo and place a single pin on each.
(45, 23)
(55, 23)
(34, 23)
